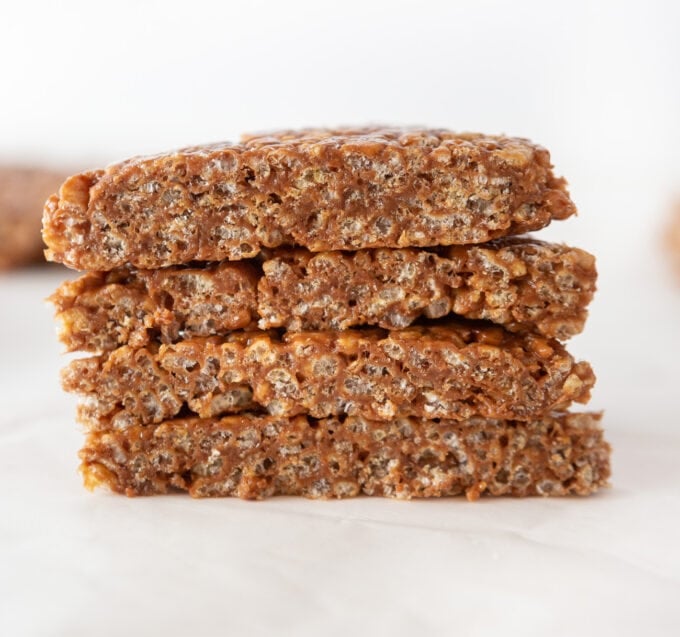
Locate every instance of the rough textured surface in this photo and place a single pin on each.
(455, 371)
(23, 191)
(523, 284)
(324, 190)
(260, 456)
(103, 310)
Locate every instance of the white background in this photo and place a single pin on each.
(598, 83)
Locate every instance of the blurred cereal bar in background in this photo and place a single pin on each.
(23, 191)
(672, 237)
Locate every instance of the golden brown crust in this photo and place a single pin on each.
(23, 191)
(323, 190)
(259, 456)
(522, 284)
(455, 371)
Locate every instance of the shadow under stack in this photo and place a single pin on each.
(328, 313)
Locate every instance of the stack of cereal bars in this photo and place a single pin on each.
(328, 313)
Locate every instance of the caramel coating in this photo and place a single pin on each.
(253, 456)
(522, 284)
(319, 189)
(455, 371)
(23, 191)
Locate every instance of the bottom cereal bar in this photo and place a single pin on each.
(255, 456)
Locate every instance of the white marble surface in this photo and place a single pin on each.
(74, 563)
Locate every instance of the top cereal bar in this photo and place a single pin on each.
(320, 189)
